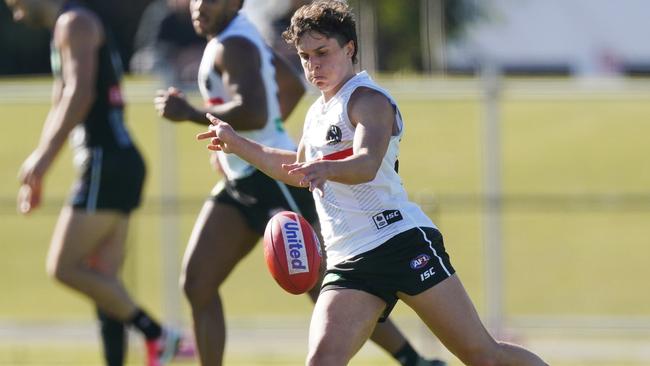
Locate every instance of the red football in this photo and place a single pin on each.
(292, 252)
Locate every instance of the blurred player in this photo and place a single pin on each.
(380, 246)
(87, 249)
(242, 81)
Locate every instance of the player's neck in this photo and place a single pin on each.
(327, 95)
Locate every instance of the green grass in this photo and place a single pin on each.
(567, 261)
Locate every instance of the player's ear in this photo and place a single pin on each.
(349, 48)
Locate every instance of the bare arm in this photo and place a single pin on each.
(77, 35)
(373, 116)
(269, 160)
(371, 113)
(239, 63)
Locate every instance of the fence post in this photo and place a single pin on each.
(492, 199)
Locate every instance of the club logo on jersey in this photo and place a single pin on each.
(419, 261)
(294, 246)
(334, 135)
(386, 218)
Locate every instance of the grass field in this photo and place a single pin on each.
(576, 178)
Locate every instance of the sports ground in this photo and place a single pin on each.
(576, 223)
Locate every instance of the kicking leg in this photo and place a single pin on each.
(450, 314)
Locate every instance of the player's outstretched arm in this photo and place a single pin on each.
(222, 137)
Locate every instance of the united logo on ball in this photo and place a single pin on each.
(292, 252)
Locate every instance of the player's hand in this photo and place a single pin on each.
(172, 104)
(28, 199)
(30, 176)
(220, 133)
(314, 174)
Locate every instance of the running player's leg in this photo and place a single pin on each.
(77, 235)
(449, 313)
(113, 335)
(341, 323)
(219, 240)
(108, 259)
(77, 238)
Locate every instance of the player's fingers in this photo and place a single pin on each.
(214, 120)
(206, 135)
(174, 91)
(295, 168)
(289, 167)
(23, 205)
(214, 147)
(294, 171)
(35, 197)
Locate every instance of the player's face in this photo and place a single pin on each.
(327, 64)
(209, 17)
(25, 11)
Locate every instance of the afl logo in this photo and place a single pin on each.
(419, 261)
(334, 135)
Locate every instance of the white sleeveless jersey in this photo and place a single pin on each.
(357, 218)
(213, 92)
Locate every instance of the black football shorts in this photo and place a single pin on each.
(109, 180)
(258, 197)
(410, 262)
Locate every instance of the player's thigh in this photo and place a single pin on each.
(220, 239)
(109, 255)
(78, 234)
(449, 313)
(342, 321)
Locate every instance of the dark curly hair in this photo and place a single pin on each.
(332, 18)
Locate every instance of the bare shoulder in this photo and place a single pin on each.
(239, 51)
(78, 26)
(366, 101)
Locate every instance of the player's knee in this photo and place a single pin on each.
(481, 357)
(323, 359)
(198, 291)
(59, 272)
(322, 355)
(480, 354)
(477, 360)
